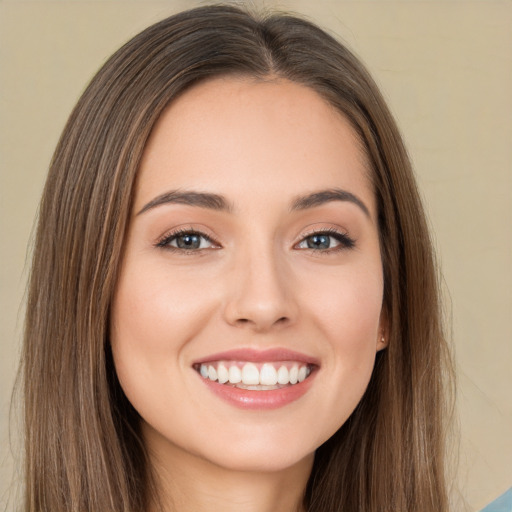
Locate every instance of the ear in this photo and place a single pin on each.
(383, 332)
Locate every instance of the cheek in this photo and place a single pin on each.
(153, 319)
(348, 318)
(348, 307)
(157, 314)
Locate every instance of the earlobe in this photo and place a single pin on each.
(382, 342)
(383, 335)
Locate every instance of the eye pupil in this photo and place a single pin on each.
(319, 242)
(188, 241)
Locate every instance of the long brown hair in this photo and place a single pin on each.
(83, 448)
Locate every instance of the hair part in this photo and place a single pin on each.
(83, 448)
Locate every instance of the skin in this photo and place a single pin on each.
(260, 144)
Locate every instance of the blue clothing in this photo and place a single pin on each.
(501, 504)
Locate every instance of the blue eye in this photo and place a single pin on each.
(194, 241)
(320, 241)
(325, 241)
(186, 241)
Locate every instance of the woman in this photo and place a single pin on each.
(233, 302)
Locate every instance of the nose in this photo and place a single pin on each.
(261, 293)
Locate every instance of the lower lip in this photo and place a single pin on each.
(263, 399)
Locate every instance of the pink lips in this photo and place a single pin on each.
(260, 399)
(260, 356)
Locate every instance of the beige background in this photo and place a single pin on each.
(446, 69)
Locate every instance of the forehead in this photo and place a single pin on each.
(234, 135)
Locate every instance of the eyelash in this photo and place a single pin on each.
(345, 242)
(164, 242)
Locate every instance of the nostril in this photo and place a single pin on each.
(279, 321)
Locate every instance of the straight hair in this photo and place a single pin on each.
(83, 445)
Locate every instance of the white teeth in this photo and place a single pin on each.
(212, 373)
(268, 375)
(294, 374)
(222, 374)
(283, 376)
(235, 374)
(250, 374)
(250, 377)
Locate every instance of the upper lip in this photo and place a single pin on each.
(259, 356)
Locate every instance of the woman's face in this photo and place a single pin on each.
(247, 314)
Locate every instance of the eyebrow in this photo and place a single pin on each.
(200, 199)
(220, 203)
(326, 196)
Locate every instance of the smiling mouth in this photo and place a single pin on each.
(255, 376)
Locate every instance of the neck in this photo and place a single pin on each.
(185, 482)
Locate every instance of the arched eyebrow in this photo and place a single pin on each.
(220, 203)
(325, 196)
(191, 198)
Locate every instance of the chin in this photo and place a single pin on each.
(269, 460)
